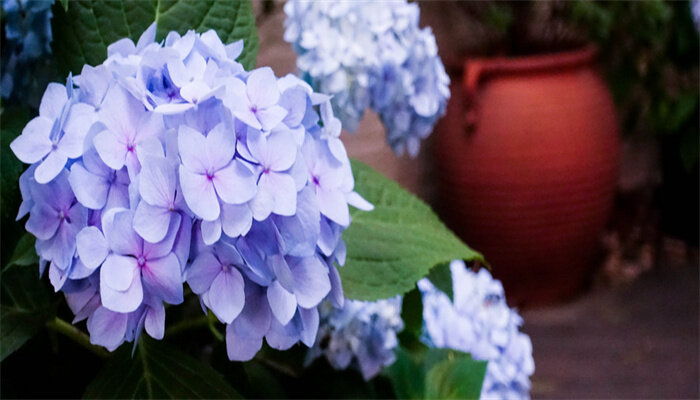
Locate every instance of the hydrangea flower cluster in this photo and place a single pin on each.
(364, 332)
(479, 322)
(371, 54)
(28, 42)
(169, 163)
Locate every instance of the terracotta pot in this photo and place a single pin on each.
(528, 158)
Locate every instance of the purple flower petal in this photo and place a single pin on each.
(282, 303)
(34, 143)
(43, 221)
(163, 279)
(157, 182)
(191, 145)
(262, 88)
(235, 183)
(310, 321)
(226, 295)
(50, 167)
(202, 272)
(151, 222)
(240, 347)
(311, 281)
(211, 231)
(122, 301)
(121, 237)
(165, 246)
(91, 190)
(236, 219)
(118, 272)
(92, 247)
(155, 321)
(199, 194)
(53, 100)
(283, 189)
(333, 205)
(107, 328)
(111, 149)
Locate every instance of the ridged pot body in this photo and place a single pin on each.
(532, 183)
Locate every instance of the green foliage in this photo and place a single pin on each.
(441, 278)
(436, 374)
(83, 31)
(25, 306)
(12, 122)
(455, 378)
(25, 253)
(412, 312)
(157, 371)
(649, 50)
(396, 244)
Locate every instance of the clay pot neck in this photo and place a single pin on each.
(478, 69)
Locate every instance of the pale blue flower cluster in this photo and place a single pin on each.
(360, 331)
(169, 163)
(28, 43)
(479, 322)
(371, 54)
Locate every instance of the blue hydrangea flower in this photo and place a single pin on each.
(371, 55)
(360, 333)
(479, 322)
(28, 45)
(169, 164)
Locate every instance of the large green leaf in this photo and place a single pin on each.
(157, 371)
(84, 30)
(25, 307)
(396, 244)
(407, 376)
(455, 378)
(436, 374)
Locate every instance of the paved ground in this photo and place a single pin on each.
(634, 341)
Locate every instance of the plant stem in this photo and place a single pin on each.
(76, 335)
(186, 325)
(279, 367)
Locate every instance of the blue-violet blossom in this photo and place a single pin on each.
(371, 54)
(360, 331)
(169, 163)
(25, 61)
(479, 322)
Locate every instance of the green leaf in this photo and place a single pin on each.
(412, 312)
(441, 278)
(436, 373)
(407, 376)
(396, 244)
(64, 3)
(25, 253)
(455, 378)
(157, 370)
(82, 33)
(25, 307)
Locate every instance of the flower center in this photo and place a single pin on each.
(130, 147)
(315, 180)
(210, 175)
(141, 261)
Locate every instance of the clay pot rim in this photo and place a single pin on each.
(475, 69)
